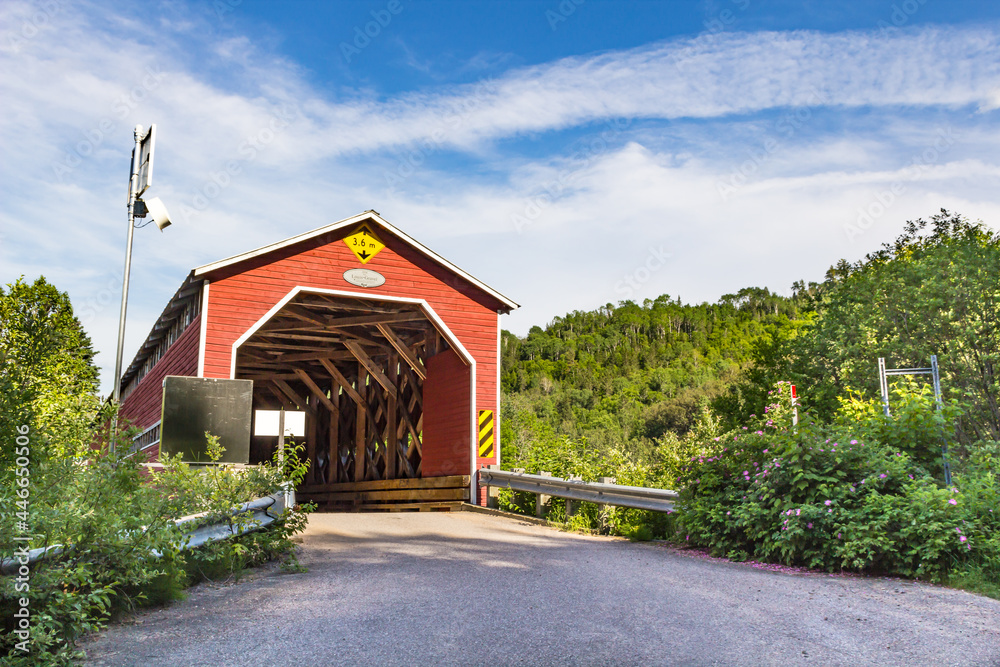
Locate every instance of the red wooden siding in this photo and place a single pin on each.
(447, 438)
(243, 293)
(143, 405)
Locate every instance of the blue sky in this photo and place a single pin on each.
(570, 154)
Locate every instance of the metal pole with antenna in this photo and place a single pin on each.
(132, 187)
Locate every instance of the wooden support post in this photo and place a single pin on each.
(334, 442)
(541, 499)
(360, 441)
(392, 455)
(312, 435)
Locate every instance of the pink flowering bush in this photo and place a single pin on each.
(822, 496)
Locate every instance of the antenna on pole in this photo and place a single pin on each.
(140, 178)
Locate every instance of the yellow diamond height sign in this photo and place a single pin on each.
(364, 244)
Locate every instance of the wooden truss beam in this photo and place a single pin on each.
(403, 349)
(374, 319)
(339, 377)
(317, 392)
(371, 366)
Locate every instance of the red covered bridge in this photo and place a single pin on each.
(391, 351)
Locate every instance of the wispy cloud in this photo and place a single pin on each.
(271, 154)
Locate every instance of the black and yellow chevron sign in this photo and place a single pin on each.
(485, 434)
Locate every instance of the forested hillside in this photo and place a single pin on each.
(626, 376)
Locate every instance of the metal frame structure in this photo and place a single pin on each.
(883, 374)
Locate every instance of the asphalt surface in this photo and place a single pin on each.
(464, 588)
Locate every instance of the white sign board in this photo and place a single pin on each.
(266, 423)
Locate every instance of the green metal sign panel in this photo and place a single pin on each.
(193, 406)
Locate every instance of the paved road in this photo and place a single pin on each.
(472, 589)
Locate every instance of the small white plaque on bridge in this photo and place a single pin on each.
(364, 277)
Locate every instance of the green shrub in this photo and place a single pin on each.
(110, 518)
(821, 497)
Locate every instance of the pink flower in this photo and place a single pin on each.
(838, 535)
(798, 512)
(962, 538)
(952, 501)
(882, 476)
(828, 503)
(809, 525)
(854, 442)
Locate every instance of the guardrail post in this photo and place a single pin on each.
(602, 510)
(541, 499)
(492, 492)
(569, 503)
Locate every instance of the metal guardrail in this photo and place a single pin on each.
(264, 511)
(657, 500)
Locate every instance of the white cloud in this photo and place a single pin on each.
(250, 151)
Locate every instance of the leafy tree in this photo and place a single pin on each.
(48, 378)
(935, 290)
